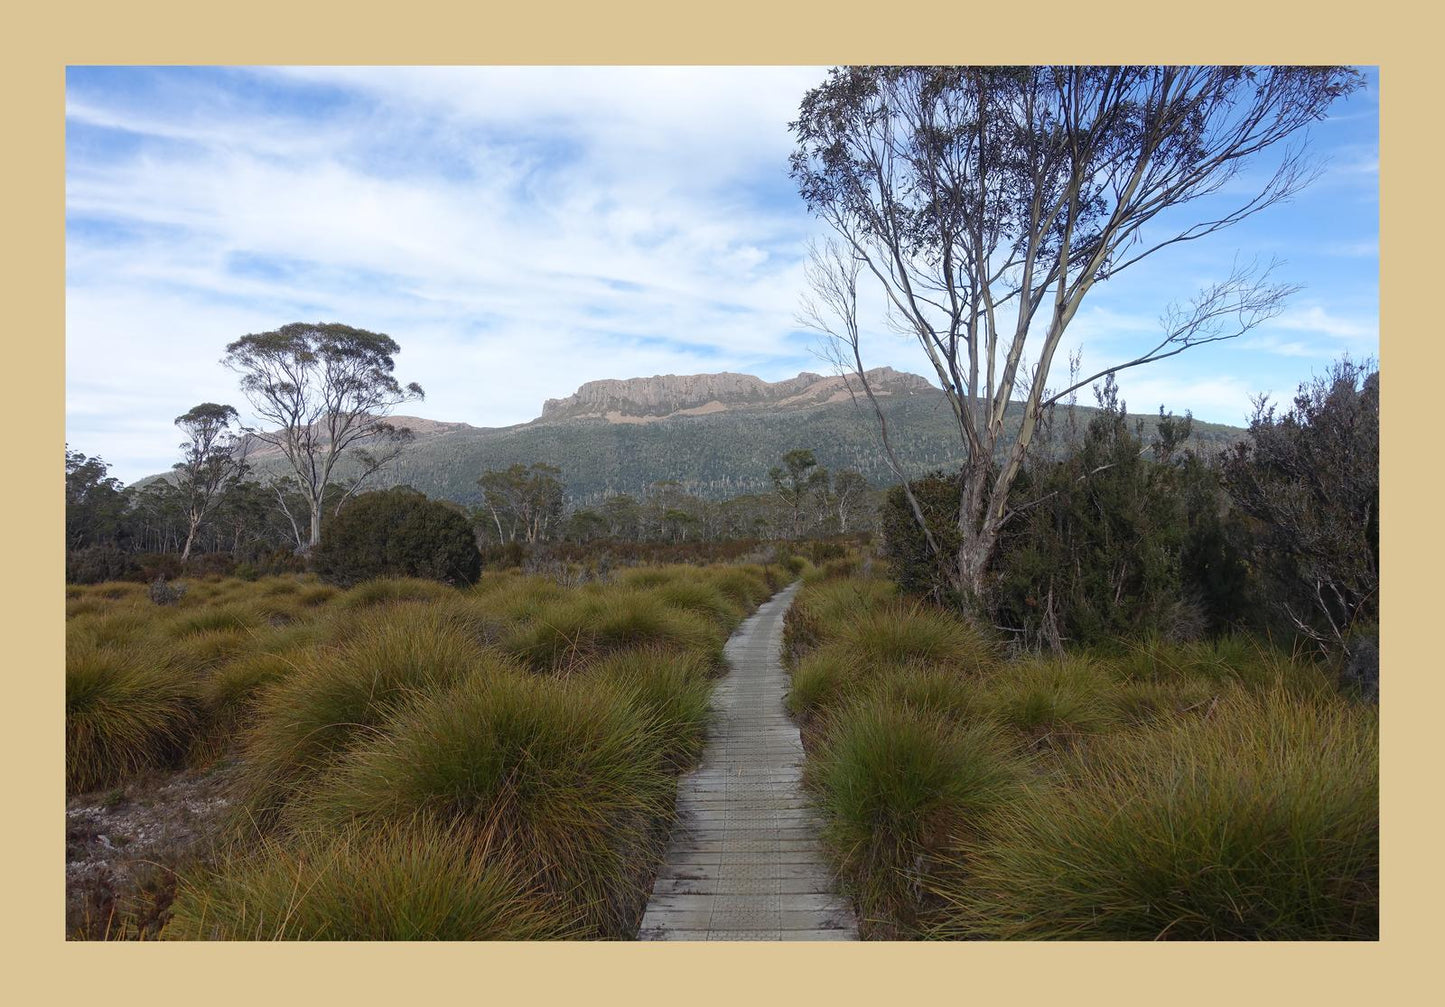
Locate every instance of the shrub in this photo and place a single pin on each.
(562, 776)
(99, 563)
(1310, 479)
(125, 710)
(895, 784)
(1260, 821)
(162, 593)
(398, 533)
(417, 881)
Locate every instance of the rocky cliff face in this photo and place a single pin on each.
(644, 400)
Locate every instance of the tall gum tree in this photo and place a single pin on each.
(213, 459)
(986, 202)
(323, 391)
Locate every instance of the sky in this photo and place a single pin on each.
(522, 230)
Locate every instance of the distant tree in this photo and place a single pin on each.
(623, 515)
(586, 526)
(849, 491)
(523, 501)
(213, 459)
(1310, 479)
(986, 202)
(797, 481)
(94, 502)
(324, 389)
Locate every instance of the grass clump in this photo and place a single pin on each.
(913, 632)
(126, 710)
(1259, 821)
(671, 691)
(895, 783)
(335, 694)
(390, 590)
(702, 598)
(570, 633)
(416, 881)
(1053, 701)
(562, 775)
(820, 681)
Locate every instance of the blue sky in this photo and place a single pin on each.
(522, 230)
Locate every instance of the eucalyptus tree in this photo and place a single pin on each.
(322, 392)
(213, 459)
(985, 203)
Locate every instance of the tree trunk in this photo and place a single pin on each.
(190, 537)
(315, 525)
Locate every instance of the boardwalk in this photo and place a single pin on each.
(745, 862)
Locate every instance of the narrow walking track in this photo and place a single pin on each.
(746, 863)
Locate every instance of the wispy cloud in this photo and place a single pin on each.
(517, 230)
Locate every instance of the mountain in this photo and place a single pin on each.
(646, 400)
(716, 435)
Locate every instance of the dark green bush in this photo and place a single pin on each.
(99, 563)
(398, 533)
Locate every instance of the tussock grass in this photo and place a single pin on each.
(913, 632)
(562, 775)
(390, 590)
(226, 618)
(398, 772)
(417, 881)
(822, 610)
(569, 633)
(524, 599)
(702, 598)
(317, 595)
(198, 653)
(650, 576)
(940, 691)
(80, 605)
(112, 628)
(822, 680)
(333, 695)
(126, 710)
(119, 590)
(1259, 821)
(894, 781)
(1053, 701)
(1226, 789)
(1145, 702)
(671, 691)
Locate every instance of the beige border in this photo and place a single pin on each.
(42, 968)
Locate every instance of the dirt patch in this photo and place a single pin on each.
(124, 846)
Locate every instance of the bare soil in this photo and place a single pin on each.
(123, 848)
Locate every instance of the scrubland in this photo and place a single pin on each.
(399, 760)
(1144, 790)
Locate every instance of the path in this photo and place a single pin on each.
(745, 862)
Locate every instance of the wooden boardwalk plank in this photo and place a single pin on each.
(745, 861)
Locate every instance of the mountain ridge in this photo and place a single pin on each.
(716, 436)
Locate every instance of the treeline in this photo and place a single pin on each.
(527, 504)
(1119, 536)
(141, 532)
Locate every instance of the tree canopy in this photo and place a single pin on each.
(322, 390)
(986, 203)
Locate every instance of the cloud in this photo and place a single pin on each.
(518, 230)
(1318, 320)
